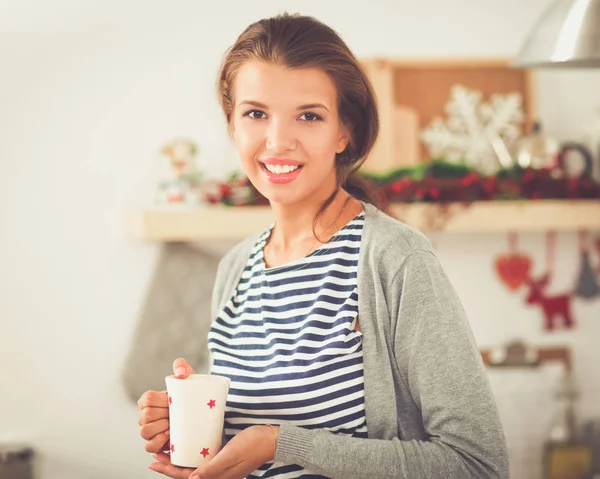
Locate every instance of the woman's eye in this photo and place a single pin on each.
(256, 114)
(310, 117)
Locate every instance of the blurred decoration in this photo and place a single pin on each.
(180, 179)
(536, 149)
(575, 159)
(587, 286)
(513, 268)
(567, 35)
(555, 307)
(476, 133)
(236, 191)
(442, 182)
(438, 181)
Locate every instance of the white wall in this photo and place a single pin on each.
(88, 93)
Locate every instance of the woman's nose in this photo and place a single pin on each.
(280, 137)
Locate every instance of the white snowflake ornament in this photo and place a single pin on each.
(476, 133)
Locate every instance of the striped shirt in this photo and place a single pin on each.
(287, 341)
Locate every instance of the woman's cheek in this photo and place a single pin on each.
(243, 146)
(248, 141)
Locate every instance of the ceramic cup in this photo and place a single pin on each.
(196, 416)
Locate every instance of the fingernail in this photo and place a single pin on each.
(167, 432)
(151, 467)
(180, 371)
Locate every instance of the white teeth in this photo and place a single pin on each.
(279, 169)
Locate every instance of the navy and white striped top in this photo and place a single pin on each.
(286, 338)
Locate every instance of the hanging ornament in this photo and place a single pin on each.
(513, 268)
(587, 286)
(555, 307)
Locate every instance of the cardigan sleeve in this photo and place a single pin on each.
(437, 358)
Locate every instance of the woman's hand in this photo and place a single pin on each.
(154, 412)
(248, 450)
(165, 467)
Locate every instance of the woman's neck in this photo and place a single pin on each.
(293, 236)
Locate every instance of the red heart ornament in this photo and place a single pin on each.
(513, 269)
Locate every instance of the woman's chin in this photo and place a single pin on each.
(284, 198)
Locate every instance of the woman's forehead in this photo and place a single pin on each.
(267, 83)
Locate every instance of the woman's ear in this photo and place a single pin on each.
(231, 129)
(230, 122)
(344, 139)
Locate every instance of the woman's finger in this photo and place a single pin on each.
(157, 443)
(152, 429)
(164, 466)
(170, 470)
(235, 471)
(151, 414)
(162, 458)
(182, 369)
(153, 399)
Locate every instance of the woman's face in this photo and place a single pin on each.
(286, 127)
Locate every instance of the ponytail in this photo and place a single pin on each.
(365, 190)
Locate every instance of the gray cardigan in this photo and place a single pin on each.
(430, 412)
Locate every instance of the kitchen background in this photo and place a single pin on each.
(90, 91)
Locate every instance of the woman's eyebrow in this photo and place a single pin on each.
(254, 103)
(308, 106)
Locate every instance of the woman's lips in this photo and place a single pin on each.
(280, 178)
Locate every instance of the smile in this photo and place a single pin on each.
(280, 173)
(279, 169)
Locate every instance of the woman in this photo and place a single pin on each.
(348, 349)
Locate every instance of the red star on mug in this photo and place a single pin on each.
(172, 448)
(211, 403)
(170, 400)
(205, 452)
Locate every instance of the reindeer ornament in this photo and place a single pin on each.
(514, 270)
(554, 307)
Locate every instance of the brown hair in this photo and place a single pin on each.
(296, 41)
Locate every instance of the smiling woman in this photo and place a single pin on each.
(348, 351)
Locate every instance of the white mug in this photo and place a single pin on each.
(196, 417)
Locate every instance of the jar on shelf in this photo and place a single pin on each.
(537, 150)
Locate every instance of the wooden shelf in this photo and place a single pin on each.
(221, 222)
(558, 354)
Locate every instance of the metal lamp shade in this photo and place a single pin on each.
(567, 35)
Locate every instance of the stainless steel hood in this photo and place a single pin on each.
(567, 35)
